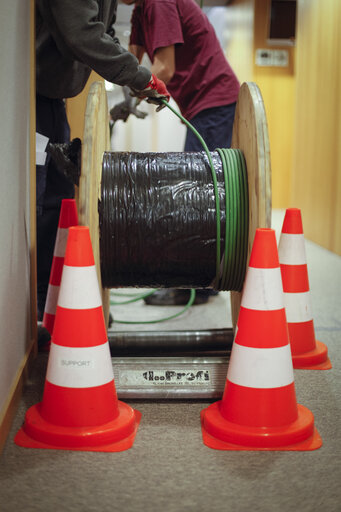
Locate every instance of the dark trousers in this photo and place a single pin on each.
(52, 186)
(214, 125)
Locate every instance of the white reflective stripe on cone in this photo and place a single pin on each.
(60, 244)
(51, 299)
(297, 307)
(79, 367)
(291, 249)
(263, 289)
(79, 288)
(260, 367)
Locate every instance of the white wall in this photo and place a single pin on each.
(159, 131)
(14, 191)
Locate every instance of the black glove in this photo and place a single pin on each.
(67, 157)
(126, 107)
(120, 111)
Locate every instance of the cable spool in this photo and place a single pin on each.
(250, 137)
(158, 220)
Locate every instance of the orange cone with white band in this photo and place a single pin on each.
(80, 409)
(258, 410)
(307, 353)
(67, 217)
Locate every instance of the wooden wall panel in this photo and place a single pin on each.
(335, 245)
(277, 85)
(317, 160)
(239, 51)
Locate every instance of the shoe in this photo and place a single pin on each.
(207, 292)
(175, 297)
(44, 338)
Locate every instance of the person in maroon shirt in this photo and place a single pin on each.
(186, 54)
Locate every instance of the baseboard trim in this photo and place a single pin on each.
(11, 405)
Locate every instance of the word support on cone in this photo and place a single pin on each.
(258, 410)
(79, 409)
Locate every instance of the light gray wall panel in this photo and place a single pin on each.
(14, 189)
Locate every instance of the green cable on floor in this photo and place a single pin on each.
(134, 298)
(171, 317)
(229, 274)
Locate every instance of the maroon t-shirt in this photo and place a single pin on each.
(203, 77)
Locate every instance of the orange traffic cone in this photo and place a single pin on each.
(307, 353)
(79, 410)
(68, 217)
(258, 410)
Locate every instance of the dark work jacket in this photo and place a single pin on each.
(74, 37)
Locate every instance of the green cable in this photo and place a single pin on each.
(171, 317)
(234, 219)
(233, 165)
(134, 298)
(214, 178)
(226, 264)
(244, 209)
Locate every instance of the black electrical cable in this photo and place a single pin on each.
(231, 276)
(230, 269)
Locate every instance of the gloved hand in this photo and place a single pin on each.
(120, 111)
(67, 157)
(155, 91)
(126, 107)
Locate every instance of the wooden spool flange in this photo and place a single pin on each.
(250, 135)
(96, 141)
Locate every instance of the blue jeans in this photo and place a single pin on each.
(214, 125)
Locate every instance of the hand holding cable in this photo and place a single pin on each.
(155, 92)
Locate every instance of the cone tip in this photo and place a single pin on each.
(292, 223)
(79, 249)
(264, 252)
(68, 214)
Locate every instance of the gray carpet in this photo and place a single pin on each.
(169, 469)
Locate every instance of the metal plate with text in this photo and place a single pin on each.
(171, 377)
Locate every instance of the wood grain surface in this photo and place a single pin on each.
(250, 135)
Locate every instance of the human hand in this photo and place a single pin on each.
(120, 111)
(155, 91)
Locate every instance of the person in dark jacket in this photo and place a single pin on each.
(73, 37)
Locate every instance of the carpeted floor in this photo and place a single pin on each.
(169, 469)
